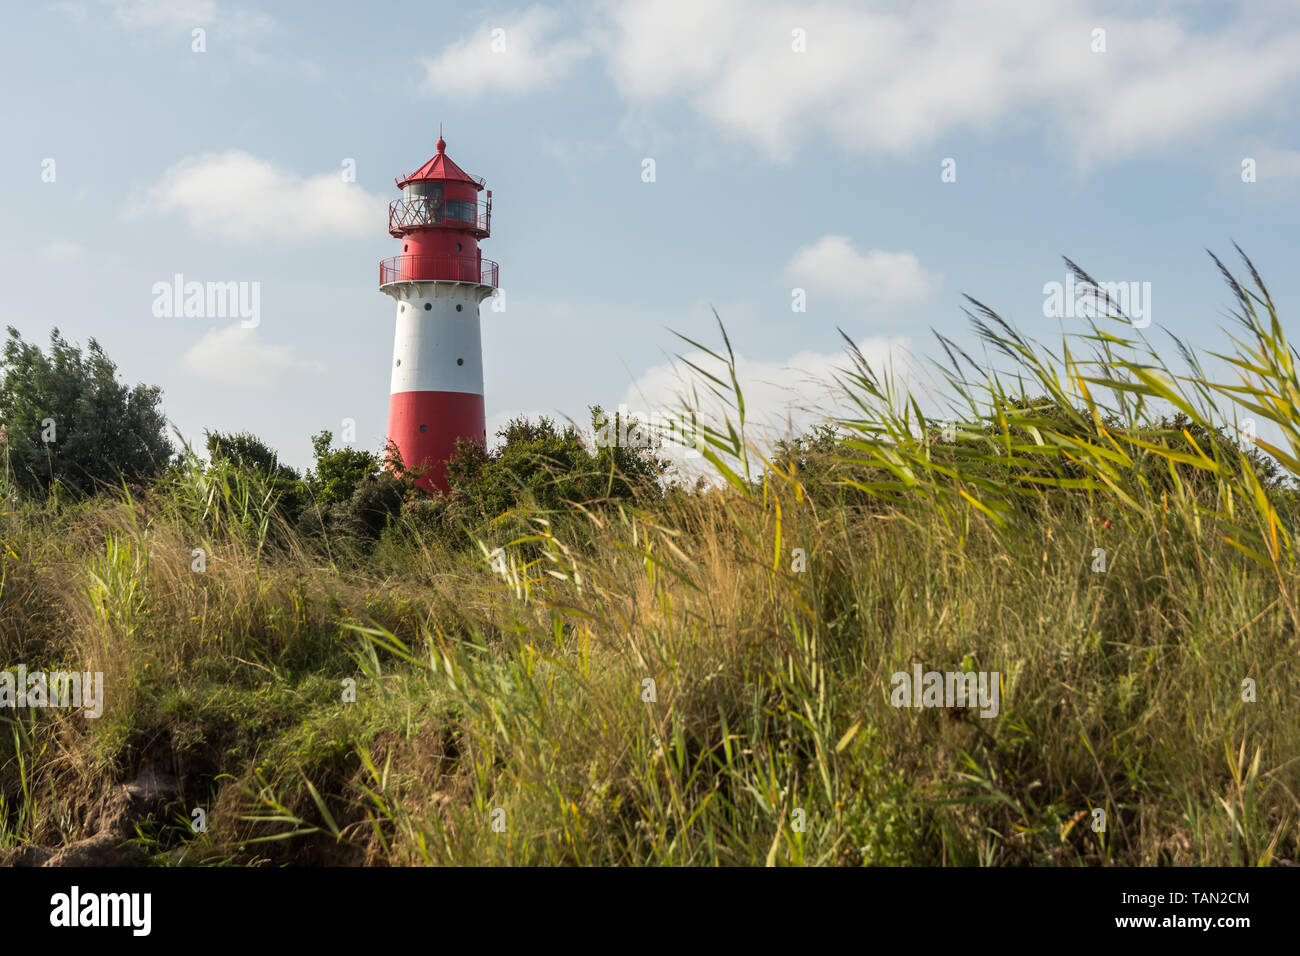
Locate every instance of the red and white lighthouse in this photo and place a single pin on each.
(438, 282)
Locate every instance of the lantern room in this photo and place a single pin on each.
(440, 220)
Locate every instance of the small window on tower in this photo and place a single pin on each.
(458, 247)
(428, 306)
(459, 307)
(460, 361)
(424, 428)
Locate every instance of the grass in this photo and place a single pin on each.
(667, 682)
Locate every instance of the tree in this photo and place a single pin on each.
(69, 421)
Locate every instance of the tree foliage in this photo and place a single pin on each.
(69, 422)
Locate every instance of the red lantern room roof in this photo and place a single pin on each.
(441, 169)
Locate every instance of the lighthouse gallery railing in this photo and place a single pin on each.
(423, 211)
(449, 268)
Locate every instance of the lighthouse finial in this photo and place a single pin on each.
(442, 145)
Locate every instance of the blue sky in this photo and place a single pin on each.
(775, 169)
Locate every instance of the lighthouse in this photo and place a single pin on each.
(437, 282)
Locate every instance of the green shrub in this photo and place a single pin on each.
(352, 494)
(547, 466)
(250, 454)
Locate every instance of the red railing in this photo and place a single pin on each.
(448, 268)
(475, 217)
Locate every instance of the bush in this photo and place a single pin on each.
(250, 454)
(338, 470)
(353, 494)
(545, 466)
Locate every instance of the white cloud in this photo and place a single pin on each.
(894, 77)
(523, 56)
(237, 356)
(61, 250)
(888, 77)
(782, 398)
(832, 264)
(238, 196)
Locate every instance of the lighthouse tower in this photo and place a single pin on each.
(438, 282)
